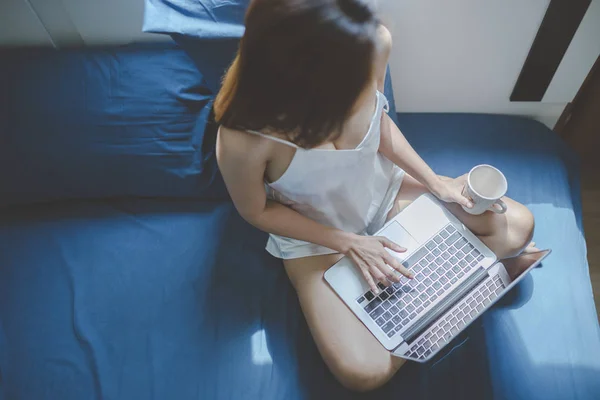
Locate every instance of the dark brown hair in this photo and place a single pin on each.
(300, 68)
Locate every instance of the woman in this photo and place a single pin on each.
(310, 156)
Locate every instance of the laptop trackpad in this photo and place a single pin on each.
(397, 234)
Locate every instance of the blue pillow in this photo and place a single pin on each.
(109, 122)
(207, 19)
(208, 30)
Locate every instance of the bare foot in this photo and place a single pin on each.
(515, 266)
(531, 248)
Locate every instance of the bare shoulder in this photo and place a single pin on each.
(384, 48)
(384, 38)
(242, 147)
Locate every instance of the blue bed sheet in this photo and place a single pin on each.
(543, 341)
(176, 299)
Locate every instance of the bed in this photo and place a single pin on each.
(125, 271)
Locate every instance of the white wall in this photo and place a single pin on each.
(20, 25)
(109, 21)
(448, 55)
(72, 22)
(579, 58)
(466, 55)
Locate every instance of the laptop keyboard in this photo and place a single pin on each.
(440, 263)
(446, 328)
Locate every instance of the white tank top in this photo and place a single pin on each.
(352, 190)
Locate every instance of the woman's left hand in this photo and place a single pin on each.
(451, 190)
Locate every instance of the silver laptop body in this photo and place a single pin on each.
(457, 278)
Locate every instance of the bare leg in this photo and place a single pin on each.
(350, 351)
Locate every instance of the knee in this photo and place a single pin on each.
(364, 377)
(522, 225)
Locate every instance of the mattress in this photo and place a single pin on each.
(177, 299)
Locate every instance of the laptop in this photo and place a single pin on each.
(457, 278)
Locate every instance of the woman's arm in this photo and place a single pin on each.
(396, 148)
(242, 160)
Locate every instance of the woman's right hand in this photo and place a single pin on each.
(373, 260)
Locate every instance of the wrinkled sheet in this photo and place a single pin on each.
(176, 299)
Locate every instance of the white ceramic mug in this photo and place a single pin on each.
(485, 186)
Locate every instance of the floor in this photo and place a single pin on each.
(590, 193)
